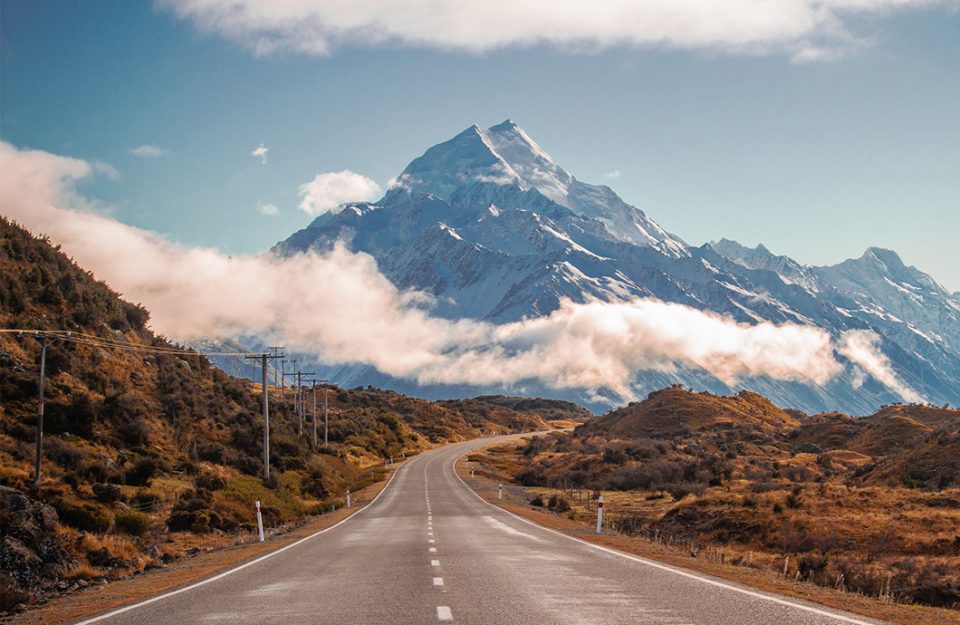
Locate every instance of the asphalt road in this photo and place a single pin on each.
(429, 550)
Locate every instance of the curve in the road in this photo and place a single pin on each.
(428, 549)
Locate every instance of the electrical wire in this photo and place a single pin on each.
(98, 341)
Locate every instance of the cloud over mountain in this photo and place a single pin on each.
(339, 306)
(326, 192)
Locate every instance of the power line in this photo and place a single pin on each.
(98, 341)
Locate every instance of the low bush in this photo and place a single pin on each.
(558, 504)
(209, 481)
(107, 493)
(141, 472)
(131, 522)
(88, 517)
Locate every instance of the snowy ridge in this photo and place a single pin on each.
(494, 228)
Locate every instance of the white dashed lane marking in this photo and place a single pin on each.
(438, 581)
(434, 562)
(433, 549)
(444, 613)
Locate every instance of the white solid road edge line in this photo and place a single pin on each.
(664, 567)
(203, 582)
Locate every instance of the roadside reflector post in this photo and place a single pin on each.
(600, 514)
(348, 497)
(500, 492)
(259, 521)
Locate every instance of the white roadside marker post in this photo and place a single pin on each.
(348, 497)
(600, 514)
(500, 492)
(259, 521)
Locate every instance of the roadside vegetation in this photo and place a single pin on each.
(869, 505)
(150, 456)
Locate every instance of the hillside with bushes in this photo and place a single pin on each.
(148, 447)
(869, 504)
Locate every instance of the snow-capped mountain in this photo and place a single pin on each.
(495, 229)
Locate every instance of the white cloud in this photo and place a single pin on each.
(260, 152)
(149, 151)
(265, 208)
(326, 192)
(612, 175)
(199, 292)
(862, 348)
(804, 29)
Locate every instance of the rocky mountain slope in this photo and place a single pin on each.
(495, 229)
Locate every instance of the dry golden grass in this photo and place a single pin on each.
(209, 561)
(80, 570)
(749, 567)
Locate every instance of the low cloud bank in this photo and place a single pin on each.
(862, 347)
(341, 308)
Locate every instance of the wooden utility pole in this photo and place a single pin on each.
(326, 415)
(44, 343)
(314, 439)
(266, 410)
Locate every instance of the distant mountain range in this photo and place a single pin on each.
(495, 229)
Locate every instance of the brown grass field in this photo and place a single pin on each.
(844, 515)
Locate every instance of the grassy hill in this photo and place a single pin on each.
(674, 411)
(145, 450)
(870, 504)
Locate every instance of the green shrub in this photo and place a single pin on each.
(312, 484)
(180, 521)
(537, 501)
(142, 472)
(88, 517)
(107, 493)
(558, 504)
(131, 522)
(209, 481)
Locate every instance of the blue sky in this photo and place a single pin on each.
(817, 160)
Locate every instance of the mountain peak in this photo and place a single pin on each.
(503, 165)
(507, 124)
(883, 255)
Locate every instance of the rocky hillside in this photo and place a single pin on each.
(147, 446)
